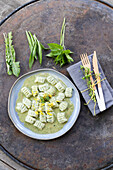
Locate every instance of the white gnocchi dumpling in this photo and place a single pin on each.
(34, 90)
(39, 125)
(41, 107)
(48, 108)
(34, 105)
(32, 113)
(63, 105)
(30, 119)
(44, 87)
(60, 86)
(50, 117)
(53, 100)
(68, 92)
(40, 79)
(60, 97)
(24, 109)
(26, 92)
(51, 90)
(43, 117)
(52, 80)
(41, 94)
(61, 117)
(21, 107)
(27, 102)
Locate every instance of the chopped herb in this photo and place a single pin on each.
(45, 98)
(13, 67)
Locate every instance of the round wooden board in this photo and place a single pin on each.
(89, 144)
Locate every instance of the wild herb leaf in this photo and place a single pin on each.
(39, 52)
(16, 68)
(55, 47)
(54, 53)
(12, 66)
(29, 41)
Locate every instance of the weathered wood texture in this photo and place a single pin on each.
(89, 144)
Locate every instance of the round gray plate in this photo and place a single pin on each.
(13, 95)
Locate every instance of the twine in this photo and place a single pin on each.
(93, 93)
(93, 85)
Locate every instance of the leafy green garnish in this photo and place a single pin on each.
(35, 48)
(58, 52)
(42, 99)
(13, 67)
(45, 99)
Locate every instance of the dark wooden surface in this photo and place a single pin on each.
(89, 144)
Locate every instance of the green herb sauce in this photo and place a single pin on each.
(49, 127)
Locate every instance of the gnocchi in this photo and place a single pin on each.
(45, 103)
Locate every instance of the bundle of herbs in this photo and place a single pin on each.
(58, 51)
(13, 67)
(35, 48)
(87, 73)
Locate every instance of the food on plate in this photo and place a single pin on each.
(63, 105)
(68, 92)
(60, 86)
(61, 117)
(40, 79)
(30, 119)
(44, 104)
(60, 97)
(26, 102)
(34, 90)
(26, 92)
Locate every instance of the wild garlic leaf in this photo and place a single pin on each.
(35, 48)
(31, 60)
(39, 52)
(29, 40)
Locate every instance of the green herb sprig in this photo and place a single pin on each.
(13, 67)
(35, 48)
(58, 51)
(87, 74)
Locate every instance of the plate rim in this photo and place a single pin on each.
(43, 69)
